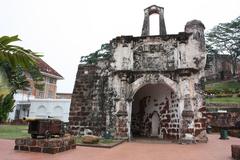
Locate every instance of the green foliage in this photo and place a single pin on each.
(15, 61)
(100, 54)
(4, 84)
(13, 131)
(37, 77)
(226, 87)
(16, 55)
(6, 106)
(16, 77)
(225, 39)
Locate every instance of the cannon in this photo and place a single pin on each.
(45, 127)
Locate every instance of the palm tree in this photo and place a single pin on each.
(14, 60)
(5, 88)
(15, 56)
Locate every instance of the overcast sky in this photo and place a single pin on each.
(65, 30)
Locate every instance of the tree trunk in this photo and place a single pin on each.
(234, 65)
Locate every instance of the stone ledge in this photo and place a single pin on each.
(52, 145)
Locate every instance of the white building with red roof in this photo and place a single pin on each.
(41, 102)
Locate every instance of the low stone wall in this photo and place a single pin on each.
(52, 145)
(231, 118)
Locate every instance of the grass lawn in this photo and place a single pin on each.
(13, 131)
(224, 100)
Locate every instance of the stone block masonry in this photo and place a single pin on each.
(83, 101)
(51, 146)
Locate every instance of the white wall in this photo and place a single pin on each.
(58, 108)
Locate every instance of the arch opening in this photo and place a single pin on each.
(150, 111)
(154, 24)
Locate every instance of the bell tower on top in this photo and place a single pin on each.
(146, 24)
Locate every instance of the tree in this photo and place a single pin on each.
(225, 39)
(103, 53)
(6, 106)
(16, 55)
(14, 62)
(4, 84)
(13, 57)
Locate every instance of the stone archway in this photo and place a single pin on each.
(150, 107)
(151, 79)
(154, 104)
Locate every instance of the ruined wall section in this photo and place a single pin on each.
(193, 121)
(192, 110)
(195, 47)
(93, 105)
(84, 101)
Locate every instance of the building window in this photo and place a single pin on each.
(52, 80)
(50, 94)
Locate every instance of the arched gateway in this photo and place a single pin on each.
(147, 86)
(152, 112)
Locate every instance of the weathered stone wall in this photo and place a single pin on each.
(83, 100)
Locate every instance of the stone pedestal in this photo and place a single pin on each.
(235, 151)
(51, 145)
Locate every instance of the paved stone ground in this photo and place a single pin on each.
(215, 149)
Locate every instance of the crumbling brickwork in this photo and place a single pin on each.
(83, 100)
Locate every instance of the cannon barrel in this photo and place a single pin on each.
(28, 119)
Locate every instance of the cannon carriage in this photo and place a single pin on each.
(45, 127)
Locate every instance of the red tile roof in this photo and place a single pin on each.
(44, 67)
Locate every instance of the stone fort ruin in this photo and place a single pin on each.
(149, 86)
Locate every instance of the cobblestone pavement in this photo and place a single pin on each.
(215, 149)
